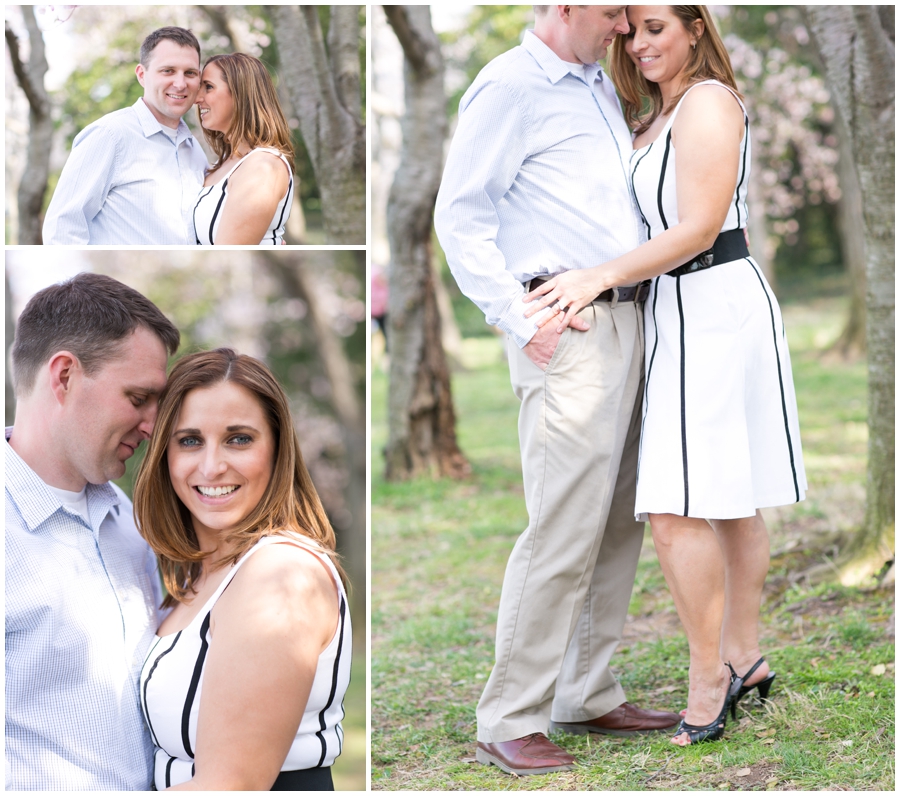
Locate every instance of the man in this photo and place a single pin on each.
(535, 184)
(133, 176)
(82, 589)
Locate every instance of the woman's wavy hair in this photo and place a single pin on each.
(258, 119)
(642, 100)
(290, 502)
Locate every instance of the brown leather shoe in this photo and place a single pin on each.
(626, 719)
(533, 754)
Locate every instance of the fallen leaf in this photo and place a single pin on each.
(744, 772)
(707, 759)
(769, 741)
(771, 783)
(467, 760)
(848, 742)
(879, 670)
(870, 694)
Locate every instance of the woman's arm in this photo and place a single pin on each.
(268, 629)
(254, 191)
(707, 137)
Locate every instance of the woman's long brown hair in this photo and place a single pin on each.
(642, 100)
(290, 502)
(257, 120)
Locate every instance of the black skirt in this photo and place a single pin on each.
(305, 779)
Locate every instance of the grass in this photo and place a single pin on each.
(439, 549)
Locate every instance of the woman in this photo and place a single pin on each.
(247, 194)
(720, 436)
(243, 687)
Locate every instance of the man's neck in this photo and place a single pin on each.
(34, 446)
(550, 36)
(164, 120)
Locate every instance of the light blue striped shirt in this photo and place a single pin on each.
(535, 181)
(80, 616)
(127, 181)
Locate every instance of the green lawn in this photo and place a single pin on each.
(438, 553)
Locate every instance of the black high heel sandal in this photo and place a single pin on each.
(763, 686)
(715, 729)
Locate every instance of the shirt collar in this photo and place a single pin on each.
(33, 498)
(150, 125)
(554, 66)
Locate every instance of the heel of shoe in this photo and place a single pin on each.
(763, 686)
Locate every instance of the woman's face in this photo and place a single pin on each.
(214, 101)
(658, 42)
(221, 455)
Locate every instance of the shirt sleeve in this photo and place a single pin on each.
(84, 184)
(488, 149)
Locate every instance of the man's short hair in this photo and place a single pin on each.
(180, 36)
(90, 316)
(539, 11)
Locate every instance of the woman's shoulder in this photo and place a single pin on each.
(712, 95)
(262, 166)
(284, 565)
(710, 107)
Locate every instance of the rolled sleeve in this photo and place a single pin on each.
(486, 154)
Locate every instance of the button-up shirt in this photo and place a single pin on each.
(81, 611)
(535, 181)
(127, 181)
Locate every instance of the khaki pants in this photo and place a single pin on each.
(569, 578)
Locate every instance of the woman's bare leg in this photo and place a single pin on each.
(745, 548)
(694, 567)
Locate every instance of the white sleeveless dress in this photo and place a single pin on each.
(212, 198)
(172, 680)
(720, 436)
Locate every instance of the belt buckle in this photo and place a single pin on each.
(613, 302)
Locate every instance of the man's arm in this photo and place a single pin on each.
(487, 151)
(85, 181)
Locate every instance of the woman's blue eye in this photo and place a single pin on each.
(242, 439)
(189, 442)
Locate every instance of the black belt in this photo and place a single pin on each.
(305, 779)
(730, 245)
(635, 293)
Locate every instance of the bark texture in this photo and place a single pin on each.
(856, 44)
(30, 77)
(324, 86)
(422, 423)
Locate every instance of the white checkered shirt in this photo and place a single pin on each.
(535, 181)
(80, 616)
(127, 182)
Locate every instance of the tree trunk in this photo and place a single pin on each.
(857, 48)
(10, 407)
(421, 420)
(321, 86)
(30, 77)
(298, 279)
(852, 342)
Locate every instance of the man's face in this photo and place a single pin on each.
(593, 28)
(171, 81)
(108, 414)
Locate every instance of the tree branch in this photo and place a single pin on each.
(37, 99)
(416, 49)
(343, 49)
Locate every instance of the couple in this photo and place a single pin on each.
(546, 203)
(236, 679)
(138, 176)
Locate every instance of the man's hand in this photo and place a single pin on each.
(541, 347)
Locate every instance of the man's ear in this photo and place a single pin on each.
(564, 13)
(63, 368)
(140, 71)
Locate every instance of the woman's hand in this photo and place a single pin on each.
(566, 295)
